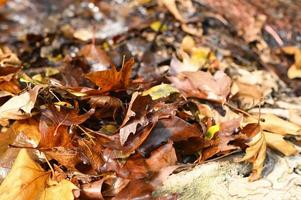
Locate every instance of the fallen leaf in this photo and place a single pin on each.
(96, 57)
(13, 108)
(54, 125)
(277, 142)
(292, 50)
(211, 131)
(295, 70)
(160, 91)
(176, 130)
(274, 124)
(162, 157)
(131, 128)
(256, 154)
(172, 7)
(203, 85)
(58, 190)
(249, 95)
(26, 179)
(8, 58)
(112, 79)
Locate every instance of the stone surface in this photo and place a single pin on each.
(226, 179)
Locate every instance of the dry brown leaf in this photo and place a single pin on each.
(54, 125)
(96, 57)
(277, 142)
(203, 85)
(172, 7)
(19, 107)
(248, 95)
(112, 79)
(131, 127)
(26, 179)
(8, 58)
(256, 154)
(274, 124)
(292, 50)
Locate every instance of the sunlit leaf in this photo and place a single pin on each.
(26, 179)
(160, 91)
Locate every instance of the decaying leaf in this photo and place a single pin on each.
(112, 79)
(131, 127)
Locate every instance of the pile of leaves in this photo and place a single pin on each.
(91, 130)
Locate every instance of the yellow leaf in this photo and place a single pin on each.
(294, 72)
(160, 91)
(26, 179)
(292, 50)
(212, 130)
(277, 142)
(157, 26)
(187, 44)
(37, 77)
(50, 71)
(62, 190)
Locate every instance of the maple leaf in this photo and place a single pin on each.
(112, 79)
(261, 139)
(203, 85)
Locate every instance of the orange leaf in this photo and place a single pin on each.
(112, 79)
